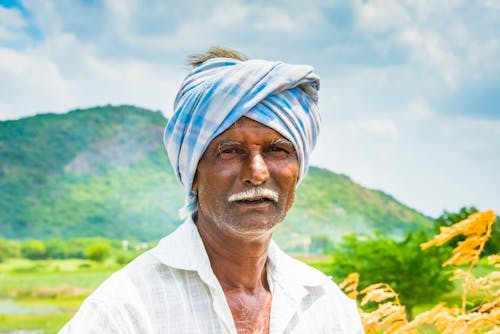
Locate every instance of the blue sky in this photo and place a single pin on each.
(410, 90)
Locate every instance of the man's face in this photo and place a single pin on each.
(246, 156)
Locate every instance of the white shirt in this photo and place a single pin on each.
(172, 289)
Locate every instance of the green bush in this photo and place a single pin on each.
(34, 250)
(56, 249)
(9, 249)
(76, 248)
(417, 276)
(98, 251)
(124, 258)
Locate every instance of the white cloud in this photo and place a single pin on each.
(120, 11)
(274, 19)
(470, 127)
(62, 73)
(492, 4)
(45, 16)
(11, 23)
(426, 9)
(419, 110)
(229, 14)
(192, 33)
(381, 15)
(375, 128)
(429, 50)
(30, 81)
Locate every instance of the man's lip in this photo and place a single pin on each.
(262, 201)
(256, 199)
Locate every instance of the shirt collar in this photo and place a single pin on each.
(184, 249)
(285, 268)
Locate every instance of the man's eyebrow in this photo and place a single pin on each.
(283, 141)
(224, 143)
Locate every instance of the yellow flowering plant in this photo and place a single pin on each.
(389, 315)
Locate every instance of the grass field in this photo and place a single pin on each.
(44, 295)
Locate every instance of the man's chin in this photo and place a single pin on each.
(250, 227)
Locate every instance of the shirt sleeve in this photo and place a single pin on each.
(347, 310)
(95, 316)
(353, 316)
(92, 317)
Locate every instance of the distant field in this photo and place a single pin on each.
(44, 295)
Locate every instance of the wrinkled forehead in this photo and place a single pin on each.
(246, 128)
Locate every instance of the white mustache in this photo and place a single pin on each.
(253, 193)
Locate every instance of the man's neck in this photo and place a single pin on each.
(237, 261)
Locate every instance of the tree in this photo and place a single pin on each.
(417, 276)
(56, 249)
(8, 249)
(34, 250)
(98, 251)
(76, 248)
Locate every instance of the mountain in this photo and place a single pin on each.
(103, 171)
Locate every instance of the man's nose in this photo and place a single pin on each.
(256, 171)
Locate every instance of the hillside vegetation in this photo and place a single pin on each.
(104, 172)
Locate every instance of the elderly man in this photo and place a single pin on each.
(239, 142)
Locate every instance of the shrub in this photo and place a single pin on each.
(98, 251)
(56, 249)
(34, 250)
(400, 264)
(76, 248)
(9, 249)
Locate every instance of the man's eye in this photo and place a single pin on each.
(229, 152)
(278, 151)
(275, 148)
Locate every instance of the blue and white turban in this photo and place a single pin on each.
(218, 92)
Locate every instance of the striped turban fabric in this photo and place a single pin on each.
(218, 92)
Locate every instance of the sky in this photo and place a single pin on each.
(410, 89)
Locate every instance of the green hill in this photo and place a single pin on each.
(104, 172)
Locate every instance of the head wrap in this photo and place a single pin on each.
(218, 92)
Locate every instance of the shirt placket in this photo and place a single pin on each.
(285, 305)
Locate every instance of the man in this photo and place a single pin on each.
(239, 141)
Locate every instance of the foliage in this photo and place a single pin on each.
(400, 263)
(75, 248)
(34, 250)
(448, 219)
(56, 248)
(123, 258)
(9, 249)
(98, 251)
(477, 230)
(482, 318)
(103, 171)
